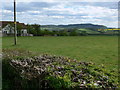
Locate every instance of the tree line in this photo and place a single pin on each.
(35, 29)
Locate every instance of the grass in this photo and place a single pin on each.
(88, 31)
(98, 49)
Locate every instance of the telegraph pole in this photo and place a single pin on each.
(15, 26)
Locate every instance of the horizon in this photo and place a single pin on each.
(52, 24)
(59, 24)
(57, 13)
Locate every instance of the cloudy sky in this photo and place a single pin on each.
(50, 12)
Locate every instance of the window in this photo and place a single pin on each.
(22, 31)
(5, 32)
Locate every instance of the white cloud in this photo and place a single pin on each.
(7, 11)
(62, 0)
(93, 11)
(66, 13)
(57, 16)
(35, 11)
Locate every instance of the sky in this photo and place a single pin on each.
(51, 12)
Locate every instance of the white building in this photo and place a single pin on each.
(9, 30)
(24, 32)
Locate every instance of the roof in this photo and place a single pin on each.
(4, 23)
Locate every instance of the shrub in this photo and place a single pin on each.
(56, 72)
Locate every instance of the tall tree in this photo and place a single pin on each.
(37, 29)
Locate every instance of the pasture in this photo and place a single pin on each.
(96, 49)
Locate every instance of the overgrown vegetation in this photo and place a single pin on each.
(23, 70)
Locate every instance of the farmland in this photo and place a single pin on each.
(96, 49)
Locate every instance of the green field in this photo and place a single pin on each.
(98, 49)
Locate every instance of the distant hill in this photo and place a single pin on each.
(77, 26)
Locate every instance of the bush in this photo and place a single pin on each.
(56, 72)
